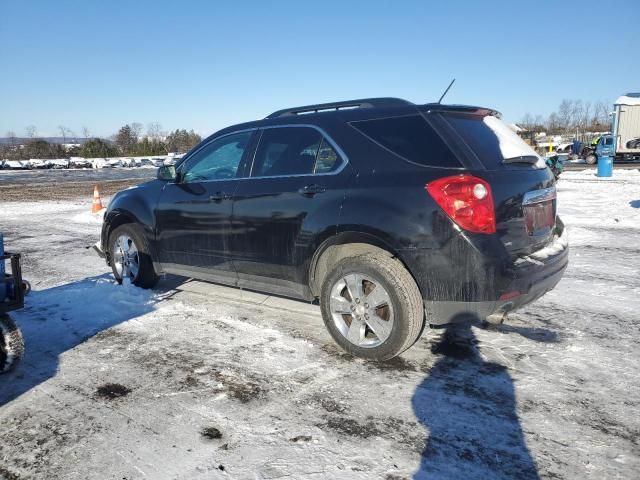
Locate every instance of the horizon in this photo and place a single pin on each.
(209, 66)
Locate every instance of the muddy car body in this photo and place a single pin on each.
(426, 214)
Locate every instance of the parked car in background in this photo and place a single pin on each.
(58, 163)
(14, 165)
(391, 215)
(79, 162)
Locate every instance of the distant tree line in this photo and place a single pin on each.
(129, 141)
(570, 116)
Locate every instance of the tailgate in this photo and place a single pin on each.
(523, 187)
(525, 203)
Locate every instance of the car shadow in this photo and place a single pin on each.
(468, 406)
(57, 319)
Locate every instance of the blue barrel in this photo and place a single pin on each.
(605, 166)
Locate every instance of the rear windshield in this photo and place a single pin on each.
(493, 142)
(411, 138)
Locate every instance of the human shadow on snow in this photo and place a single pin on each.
(57, 319)
(468, 407)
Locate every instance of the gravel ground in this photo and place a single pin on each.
(192, 380)
(47, 185)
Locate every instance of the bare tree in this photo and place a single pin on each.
(539, 122)
(527, 121)
(553, 122)
(586, 116)
(85, 131)
(601, 114)
(31, 131)
(154, 131)
(565, 114)
(577, 110)
(136, 130)
(63, 133)
(11, 135)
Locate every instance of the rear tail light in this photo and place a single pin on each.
(467, 200)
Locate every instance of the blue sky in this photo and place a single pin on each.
(205, 65)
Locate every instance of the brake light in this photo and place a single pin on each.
(467, 200)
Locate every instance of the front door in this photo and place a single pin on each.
(194, 213)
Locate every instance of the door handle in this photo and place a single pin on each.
(311, 190)
(218, 197)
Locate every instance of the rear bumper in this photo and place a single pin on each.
(499, 288)
(442, 313)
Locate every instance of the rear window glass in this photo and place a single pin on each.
(410, 137)
(491, 140)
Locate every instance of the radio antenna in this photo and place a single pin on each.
(447, 90)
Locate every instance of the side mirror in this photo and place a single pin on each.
(167, 173)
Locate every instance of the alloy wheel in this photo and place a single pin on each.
(126, 257)
(362, 310)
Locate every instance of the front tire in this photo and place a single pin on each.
(372, 307)
(591, 159)
(130, 256)
(11, 344)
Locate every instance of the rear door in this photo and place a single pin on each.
(194, 213)
(290, 201)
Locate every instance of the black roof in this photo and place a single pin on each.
(381, 102)
(350, 110)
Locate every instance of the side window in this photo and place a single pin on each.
(217, 161)
(328, 159)
(608, 141)
(286, 151)
(411, 138)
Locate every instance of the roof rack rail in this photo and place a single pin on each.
(348, 104)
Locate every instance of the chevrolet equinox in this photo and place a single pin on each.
(391, 215)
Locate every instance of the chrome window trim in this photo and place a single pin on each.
(537, 196)
(343, 156)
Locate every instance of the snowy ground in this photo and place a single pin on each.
(121, 383)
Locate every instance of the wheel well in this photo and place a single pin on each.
(117, 220)
(333, 254)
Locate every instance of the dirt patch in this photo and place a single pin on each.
(397, 364)
(112, 391)
(352, 428)
(243, 391)
(62, 190)
(301, 438)
(190, 381)
(8, 475)
(211, 433)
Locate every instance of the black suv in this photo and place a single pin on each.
(393, 215)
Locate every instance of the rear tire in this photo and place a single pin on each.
(129, 254)
(11, 344)
(591, 159)
(381, 297)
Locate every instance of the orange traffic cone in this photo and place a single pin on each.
(97, 203)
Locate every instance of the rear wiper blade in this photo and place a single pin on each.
(532, 159)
